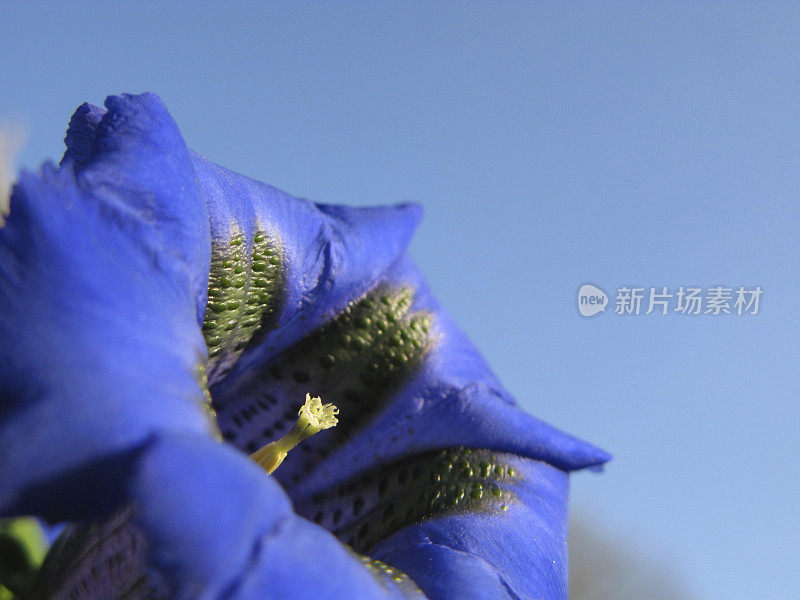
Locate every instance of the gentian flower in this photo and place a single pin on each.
(161, 318)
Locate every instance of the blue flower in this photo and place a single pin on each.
(139, 281)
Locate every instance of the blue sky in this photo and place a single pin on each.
(551, 145)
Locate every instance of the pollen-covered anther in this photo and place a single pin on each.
(314, 416)
(317, 416)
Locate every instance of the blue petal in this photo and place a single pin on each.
(205, 541)
(217, 527)
(519, 552)
(100, 274)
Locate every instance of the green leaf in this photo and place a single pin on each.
(22, 549)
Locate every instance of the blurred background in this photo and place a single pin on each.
(637, 144)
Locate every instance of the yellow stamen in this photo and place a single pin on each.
(314, 417)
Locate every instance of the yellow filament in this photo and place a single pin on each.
(314, 416)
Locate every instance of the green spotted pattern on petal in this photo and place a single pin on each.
(356, 361)
(374, 340)
(243, 294)
(391, 577)
(207, 405)
(370, 508)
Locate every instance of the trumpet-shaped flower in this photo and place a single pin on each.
(162, 318)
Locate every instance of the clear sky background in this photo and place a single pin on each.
(551, 145)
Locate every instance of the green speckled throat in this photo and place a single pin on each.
(374, 505)
(390, 576)
(244, 291)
